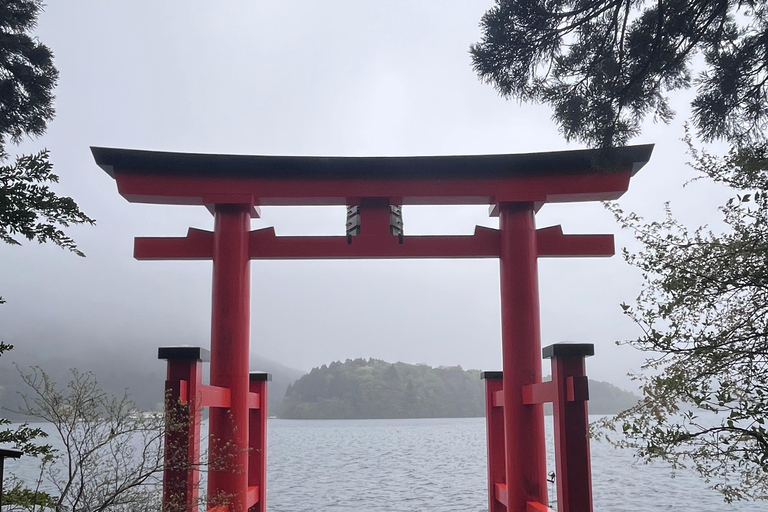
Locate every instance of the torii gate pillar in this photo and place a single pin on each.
(230, 333)
(526, 463)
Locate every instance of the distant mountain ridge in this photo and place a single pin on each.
(372, 388)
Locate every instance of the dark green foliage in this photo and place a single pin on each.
(373, 388)
(28, 207)
(27, 74)
(20, 498)
(27, 78)
(704, 318)
(605, 65)
(23, 438)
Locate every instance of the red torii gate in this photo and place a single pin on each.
(516, 186)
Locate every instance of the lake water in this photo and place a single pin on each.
(436, 465)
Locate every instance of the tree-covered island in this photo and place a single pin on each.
(372, 388)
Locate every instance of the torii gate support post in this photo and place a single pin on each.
(568, 392)
(526, 463)
(230, 324)
(571, 420)
(494, 423)
(257, 435)
(183, 404)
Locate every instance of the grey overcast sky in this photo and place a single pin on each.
(337, 77)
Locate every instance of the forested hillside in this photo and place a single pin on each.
(605, 398)
(373, 388)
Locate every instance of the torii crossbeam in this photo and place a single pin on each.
(515, 186)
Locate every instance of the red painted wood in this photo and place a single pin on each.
(257, 441)
(539, 393)
(214, 396)
(494, 423)
(521, 356)
(178, 389)
(228, 443)
(498, 398)
(571, 421)
(253, 497)
(577, 388)
(167, 248)
(538, 507)
(254, 401)
(551, 242)
(197, 245)
(374, 216)
(181, 476)
(192, 189)
(264, 244)
(501, 495)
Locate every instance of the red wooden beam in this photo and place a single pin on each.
(534, 506)
(552, 242)
(577, 388)
(252, 497)
(264, 244)
(498, 398)
(214, 396)
(197, 245)
(254, 401)
(177, 389)
(539, 393)
(502, 496)
(193, 189)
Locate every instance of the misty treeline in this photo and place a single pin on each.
(372, 388)
(117, 365)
